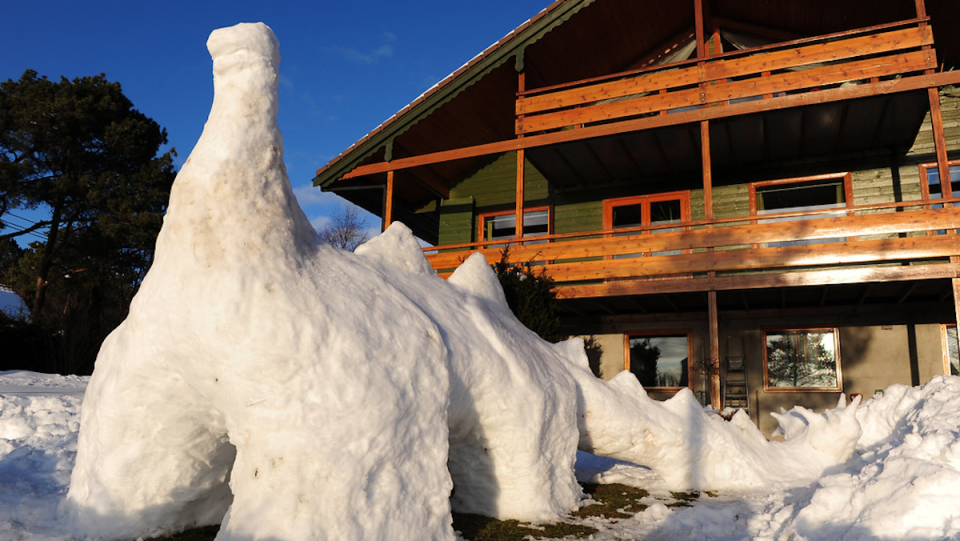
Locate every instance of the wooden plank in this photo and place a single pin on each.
(762, 281)
(787, 43)
(818, 53)
(639, 84)
(726, 91)
(604, 111)
(737, 235)
(724, 69)
(822, 76)
(840, 253)
(904, 84)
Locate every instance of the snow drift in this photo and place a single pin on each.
(293, 391)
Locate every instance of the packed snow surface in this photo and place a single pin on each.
(901, 483)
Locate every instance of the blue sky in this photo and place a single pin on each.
(346, 66)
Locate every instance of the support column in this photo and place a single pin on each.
(388, 201)
(521, 157)
(714, 331)
(940, 142)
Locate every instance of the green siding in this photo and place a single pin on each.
(456, 221)
(492, 187)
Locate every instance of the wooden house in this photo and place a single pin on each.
(743, 197)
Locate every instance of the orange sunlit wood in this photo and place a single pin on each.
(831, 61)
(870, 235)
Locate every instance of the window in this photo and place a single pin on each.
(951, 358)
(660, 361)
(800, 195)
(631, 213)
(801, 360)
(934, 188)
(503, 225)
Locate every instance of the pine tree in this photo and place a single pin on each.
(80, 150)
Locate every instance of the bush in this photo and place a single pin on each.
(531, 295)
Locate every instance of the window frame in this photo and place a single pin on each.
(662, 334)
(925, 181)
(682, 195)
(484, 216)
(945, 344)
(645, 217)
(847, 190)
(835, 331)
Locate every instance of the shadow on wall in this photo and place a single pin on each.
(594, 353)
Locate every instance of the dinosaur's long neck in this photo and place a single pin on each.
(232, 202)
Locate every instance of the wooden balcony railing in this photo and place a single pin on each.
(864, 55)
(586, 263)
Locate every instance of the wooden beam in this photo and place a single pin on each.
(521, 157)
(956, 303)
(388, 201)
(829, 95)
(940, 142)
(764, 281)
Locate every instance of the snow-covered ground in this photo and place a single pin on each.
(903, 482)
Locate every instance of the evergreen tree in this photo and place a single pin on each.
(79, 150)
(531, 296)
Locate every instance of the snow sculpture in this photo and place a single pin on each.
(307, 378)
(294, 391)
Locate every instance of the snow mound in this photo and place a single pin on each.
(693, 450)
(905, 480)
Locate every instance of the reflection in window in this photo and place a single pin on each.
(504, 225)
(659, 361)
(802, 359)
(799, 196)
(953, 357)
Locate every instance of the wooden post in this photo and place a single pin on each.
(940, 141)
(388, 201)
(714, 332)
(521, 86)
(956, 303)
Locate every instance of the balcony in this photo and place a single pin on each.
(776, 74)
(886, 242)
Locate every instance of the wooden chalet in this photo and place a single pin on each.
(743, 197)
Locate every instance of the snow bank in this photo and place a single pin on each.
(39, 418)
(905, 480)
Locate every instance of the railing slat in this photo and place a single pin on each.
(607, 245)
(730, 79)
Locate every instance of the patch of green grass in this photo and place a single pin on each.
(683, 499)
(206, 533)
(615, 501)
(480, 528)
